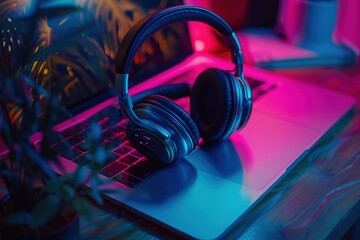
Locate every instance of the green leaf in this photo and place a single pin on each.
(53, 186)
(80, 175)
(68, 192)
(100, 155)
(19, 218)
(83, 207)
(95, 131)
(45, 210)
(67, 178)
(40, 161)
(102, 180)
(94, 192)
(31, 83)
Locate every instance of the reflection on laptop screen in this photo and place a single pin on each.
(75, 53)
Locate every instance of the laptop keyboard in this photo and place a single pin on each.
(124, 164)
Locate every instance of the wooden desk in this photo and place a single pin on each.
(319, 199)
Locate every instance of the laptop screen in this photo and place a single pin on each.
(75, 53)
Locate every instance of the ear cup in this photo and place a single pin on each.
(187, 123)
(216, 98)
(163, 112)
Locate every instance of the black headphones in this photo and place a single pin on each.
(159, 128)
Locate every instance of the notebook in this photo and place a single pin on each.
(207, 193)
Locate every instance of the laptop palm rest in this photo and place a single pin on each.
(257, 154)
(207, 192)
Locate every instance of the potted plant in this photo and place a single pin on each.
(38, 201)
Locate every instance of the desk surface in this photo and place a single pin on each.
(318, 199)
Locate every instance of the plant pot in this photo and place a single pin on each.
(64, 230)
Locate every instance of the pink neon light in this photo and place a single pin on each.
(348, 22)
(199, 45)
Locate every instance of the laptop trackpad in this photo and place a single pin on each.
(257, 155)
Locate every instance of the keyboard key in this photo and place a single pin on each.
(122, 150)
(138, 171)
(150, 164)
(73, 131)
(123, 123)
(111, 158)
(117, 129)
(53, 139)
(112, 169)
(108, 135)
(113, 143)
(128, 159)
(81, 147)
(127, 179)
(82, 161)
(136, 153)
(84, 125)
(127, 143)
(58, 148)
(76, 140)
(103, 124)
(122, 136)
(71, 154)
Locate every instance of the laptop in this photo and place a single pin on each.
(210, 191)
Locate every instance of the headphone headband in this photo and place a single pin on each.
(147, 26)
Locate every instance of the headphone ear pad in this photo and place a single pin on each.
(169, 115)
(213, 105)
(182, 116)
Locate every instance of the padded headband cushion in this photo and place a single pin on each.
(212, 104)
(158, 20)
(171, 91)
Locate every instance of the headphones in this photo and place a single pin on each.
(220, 102)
